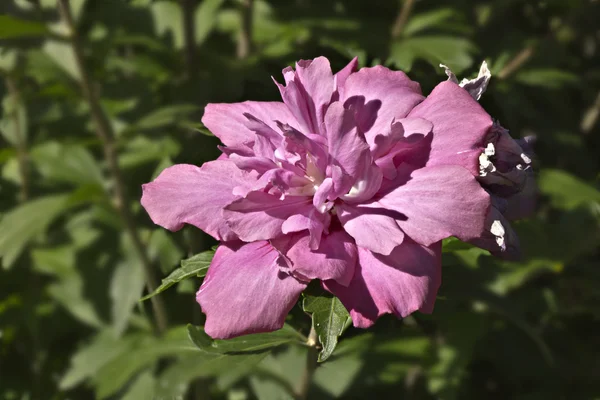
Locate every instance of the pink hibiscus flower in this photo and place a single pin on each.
(354, 180)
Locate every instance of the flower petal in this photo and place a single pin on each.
(245, 291)
(334, 259)
(498, 237)
(370, 227)
(438, 202)
(340, 77)
(460, 125)
(347, 146)
(380, 95)
(308, 91)
(260, 215)
(187, 194)
(230, 125)
(403, 282)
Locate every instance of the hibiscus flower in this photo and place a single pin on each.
(353, 180)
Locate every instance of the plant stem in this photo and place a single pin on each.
(311, 365)
(105, 133)
(516, 63)
(405, 11)
(189, 33)
(245, 41)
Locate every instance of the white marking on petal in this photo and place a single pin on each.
(497, 230)
(490, 150)
(525, 158)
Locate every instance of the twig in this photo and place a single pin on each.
(105, 133)
(591, 116)
(311, 365)
(244, 47)
(21, 141)
(405, 11)
(189, 33)
(521, 58)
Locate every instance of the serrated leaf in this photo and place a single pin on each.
(247, 343)
(329, 319)
(161, 247)
(22, 224)
(11, 27)
(193, 266)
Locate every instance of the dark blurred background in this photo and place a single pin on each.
(99, 99)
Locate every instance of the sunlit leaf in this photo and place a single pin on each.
(547, 77)
(329, 319)
(22, 224)
(565, 190)
(247, 343)
(11, 27)
(194, 266)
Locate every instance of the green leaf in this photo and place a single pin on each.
(21, 225)
(427, 20)
(246, 343)
(165, 116)
(453, 244)
(167, 19)
(63, 56)
(11, 27)
(161, 247)
(565, 190)
(142, 387)
(174, 380)
(141, 150)
(454, 52)
(88, 360)
(126, 287)
(69, 289)
(66, 163)
(329, 319)
(547, 77)
(206, 18)
(140, 355)
(14, 124)
(194, 266)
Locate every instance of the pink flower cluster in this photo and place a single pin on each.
(353, 180)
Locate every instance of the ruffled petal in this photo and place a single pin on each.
(371, 226)
(347, 146)
(334, 259)
(245, 291)
(438, 202)
(231, 126)
(460, 125)
(308, 92)
(340, 77)
(187, 194)
(379, 95)
(260, 215)
(498, 237)
(403, 282)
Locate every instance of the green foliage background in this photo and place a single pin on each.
(76, 252)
